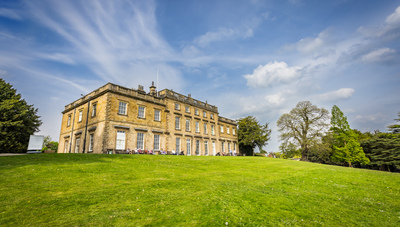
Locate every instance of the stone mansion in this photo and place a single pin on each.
(113, 118)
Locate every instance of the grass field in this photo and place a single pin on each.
(139, 190)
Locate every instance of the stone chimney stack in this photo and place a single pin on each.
(153, 91)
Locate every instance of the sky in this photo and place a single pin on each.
(249, 58)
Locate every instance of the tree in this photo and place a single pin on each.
(383, 150)
(303, 124)
(252, 134)
(18, 120)
(49, 145)
(321, 151)
(395, 128)
(346, 146)
(289, 150)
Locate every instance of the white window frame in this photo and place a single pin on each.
(77, 144)
(188, 125)
(156, 142)
(91, 142)
(80, 115)
(197, 126)
(187, 109)
(69, 120)
(140, 140)
(197, 147)
(222, 146)
(229, 147)
(122, 108)
(177, 123)
(213, 130)
(222, 128)
(212, 116)
(178, 144)
(157, 115)
(205, 128)
(206, 148)
(204, 114)
(188, 146)
(120, 140)
(233, 131)
(94, 109)
(196, 111)
(213, 148)
(227, 130)
(66, 146)
(177, 106)
(141, 112)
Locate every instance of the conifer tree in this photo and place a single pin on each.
(18, 120)
(346, 146)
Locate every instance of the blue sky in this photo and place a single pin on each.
(256, 58)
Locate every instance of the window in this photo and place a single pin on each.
(66, 146)
(178, 144)
(229, 147)
(77, 143)
(122, 108)
(204, 114)
(156, 142)
(212, 116)
(177, 106)
(69, 120)
(157, 115)
(213, 147)
(94, 107)
(227, 130)
(222, 146)
(197, 147)
(196, 111)
(234, 146)
(80, 116)
(197, 126)
(140, 140)
(188, 146)
(205, 147)
(141, 113)
(120, 145)
(233, 131)
(91, 143)
(187, 109)
(213, 130)
(177, 123)
(205, 128)
(222, 129)
(187, 125)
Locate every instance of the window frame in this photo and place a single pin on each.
(80, 115)
(69, 120)
(119, 143)
(94, 109)
(187, 125)
(124, 106)
(177, 106)
(178, 144)
(156, 142)
(140, 140)
(206, 148)
(196, 112)
(142, 112)
(177, 123)
(91, 142)
(157, 113)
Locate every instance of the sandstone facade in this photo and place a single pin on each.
(120, 118)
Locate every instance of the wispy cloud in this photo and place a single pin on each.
(9, 13)
(223, 34)
(342, 93)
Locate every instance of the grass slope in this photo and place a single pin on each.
(138, 190)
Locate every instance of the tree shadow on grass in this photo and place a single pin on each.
(8, 162)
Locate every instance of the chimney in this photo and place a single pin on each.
(153, 89)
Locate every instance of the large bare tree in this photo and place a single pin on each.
(303, 124)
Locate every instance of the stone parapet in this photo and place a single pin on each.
(187, 99)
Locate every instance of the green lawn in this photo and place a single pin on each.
(139, 190)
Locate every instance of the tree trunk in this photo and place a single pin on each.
(350, 166)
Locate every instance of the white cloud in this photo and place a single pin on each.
(272, 73)
(9, 14)
(342, 93)
(275, 99)
(223, 34)
(394, 18)
(64, 58)
(378, 55)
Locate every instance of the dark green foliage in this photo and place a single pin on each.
(322, 151)
(49, 145)
(18, 120)
(252, 134)
(384, 151)
(395, 128)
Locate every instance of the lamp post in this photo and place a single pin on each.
(87, 120)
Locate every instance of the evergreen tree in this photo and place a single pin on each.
(252, 134)
(18, 120)
(395, 128)
(346, 146)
